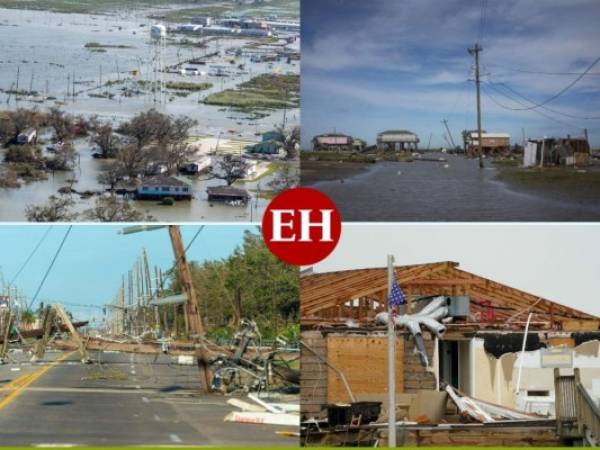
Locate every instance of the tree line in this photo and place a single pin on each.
(251, 283)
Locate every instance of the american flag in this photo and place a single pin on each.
(397, 297)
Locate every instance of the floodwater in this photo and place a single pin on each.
(47, 49)
(14, 201)
(430, 191)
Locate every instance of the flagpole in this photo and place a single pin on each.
(391, 359)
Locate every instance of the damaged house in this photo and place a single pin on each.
(465, 352)
(567, 151)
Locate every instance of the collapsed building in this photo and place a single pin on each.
(461, 375)
(567, 151)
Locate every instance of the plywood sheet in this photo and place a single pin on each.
(363, 360)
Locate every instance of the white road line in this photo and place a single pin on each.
(145, 400)
(53, 445)
(175, 438)
(156, 417)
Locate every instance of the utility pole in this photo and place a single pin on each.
(122, 309)
(191, 310)
(194, 324)
(17, 87)
(445, 122)
(475, 51)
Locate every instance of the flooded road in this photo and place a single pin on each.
(436, 191)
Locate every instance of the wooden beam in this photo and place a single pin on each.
(191, 307)
(62, 315)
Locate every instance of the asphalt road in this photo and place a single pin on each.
(121, 399)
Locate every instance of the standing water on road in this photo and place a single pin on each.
(454, 190)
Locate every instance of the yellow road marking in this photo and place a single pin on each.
(18, 385)
(15, 383)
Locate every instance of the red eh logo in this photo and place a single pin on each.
(301, 226)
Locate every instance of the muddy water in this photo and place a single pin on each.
(48, 48)
(14, 201)
(429, 191)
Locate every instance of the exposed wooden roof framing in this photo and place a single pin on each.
(325, 293)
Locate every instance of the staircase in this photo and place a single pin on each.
(577, 415)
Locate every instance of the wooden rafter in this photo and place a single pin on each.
(326, 291)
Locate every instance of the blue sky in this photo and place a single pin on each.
(94, 257)
(368, 66)
(557, 261)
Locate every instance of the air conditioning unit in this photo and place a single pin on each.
(459, 306)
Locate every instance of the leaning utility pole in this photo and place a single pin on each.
(193, 323)
(445, 122)
(475, 51)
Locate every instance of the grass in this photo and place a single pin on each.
(272, 168)
(187, 86)
(574, 185)
(506, 162)
(186, 14)
(263, 91)
(286, 8)
(337, 157)
(87, 6)
(98, 45)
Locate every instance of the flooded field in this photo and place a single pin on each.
(455, 190)
(46, 52)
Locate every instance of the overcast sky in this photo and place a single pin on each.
(373, 65)
(556, 261)
(89, 268)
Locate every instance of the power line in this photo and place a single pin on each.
(193, 239)
(562, 91)
(538, 72)
(50, 266)
(482, 20)
(489, 95)
(30, 256)
(571, 116)
(177, 261)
